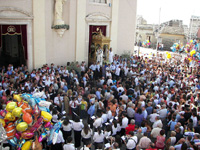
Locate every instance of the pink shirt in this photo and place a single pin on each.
(160, 142)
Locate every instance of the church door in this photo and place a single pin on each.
(13, 45)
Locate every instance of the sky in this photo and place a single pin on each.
(170, 10)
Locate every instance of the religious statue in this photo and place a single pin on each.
(111, 55)
(58, 12)
(99, 54)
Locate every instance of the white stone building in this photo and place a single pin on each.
(27, 34)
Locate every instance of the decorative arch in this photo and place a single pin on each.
(14, 12)
(97, 16)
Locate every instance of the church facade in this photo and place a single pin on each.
(36, 32)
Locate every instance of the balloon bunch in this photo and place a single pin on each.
(192, 50)
(146, 43)
(177, 47)
(23, 117)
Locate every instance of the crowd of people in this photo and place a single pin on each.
(130, 103)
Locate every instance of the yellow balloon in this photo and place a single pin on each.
(22, 126)
(27, 145)
(10, 106)
(169, 56)
(17, 97)
(17, 112)
(46, 116)
(191, 41)
(9, 116)
(2, 121)
(167, 52)
(147, 41)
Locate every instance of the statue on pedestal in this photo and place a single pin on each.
(58, 12)
(99, 54)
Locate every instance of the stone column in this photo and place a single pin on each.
(39, 44)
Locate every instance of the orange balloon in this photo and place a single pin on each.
(27, 117)
(10, 131)
(25, 106)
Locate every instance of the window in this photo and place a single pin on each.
(99, 1)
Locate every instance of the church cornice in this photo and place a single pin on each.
(97, 16)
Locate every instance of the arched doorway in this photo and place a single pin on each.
(13, 45)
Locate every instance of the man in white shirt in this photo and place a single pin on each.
(69, 145)
(124, 124)
(158, 121)
(153, 116)
(109, 113)
(132, 141)
(58, 100)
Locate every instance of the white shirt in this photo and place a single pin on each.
(98, 138)
(60, 138)
(98, 122)
(74, 104)
(153, 116)
(109, 114)
(69, 146)
(117, 72)
(67, 127)
(114, 130)
(131, 142)
(104, 117)
(163, 113)
(77, 126)
(124, 122)
(85, 148)
(86, 136)
(156, 123)
(56, 100)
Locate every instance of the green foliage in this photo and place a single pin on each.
(64, 26)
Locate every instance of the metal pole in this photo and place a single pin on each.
(158, 32)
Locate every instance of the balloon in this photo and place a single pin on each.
(22, 126)
(46, 116)
(191, 41)
(10, 131)
(2, 121)
(18, 135)
(3, 135)
(9, 116)
(17, 97)
(27, 117)
(36, 125)
(27, 145)
(42, 137)
(25, 106)
(169, 56)
(3, 113)
(36, 111)
(17, 112)
(57, 127)
(13, 142)
(44, 104)
(10, 106)
(27, 135)
(48, 125)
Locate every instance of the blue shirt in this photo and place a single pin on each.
(172, 125)
(149, 110)
(98, 94)
(91, 110)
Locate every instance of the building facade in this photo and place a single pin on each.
(194, 27)
(60, 31)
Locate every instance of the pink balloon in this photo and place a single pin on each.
(48, 125)
(18, 135)
(36, 125)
